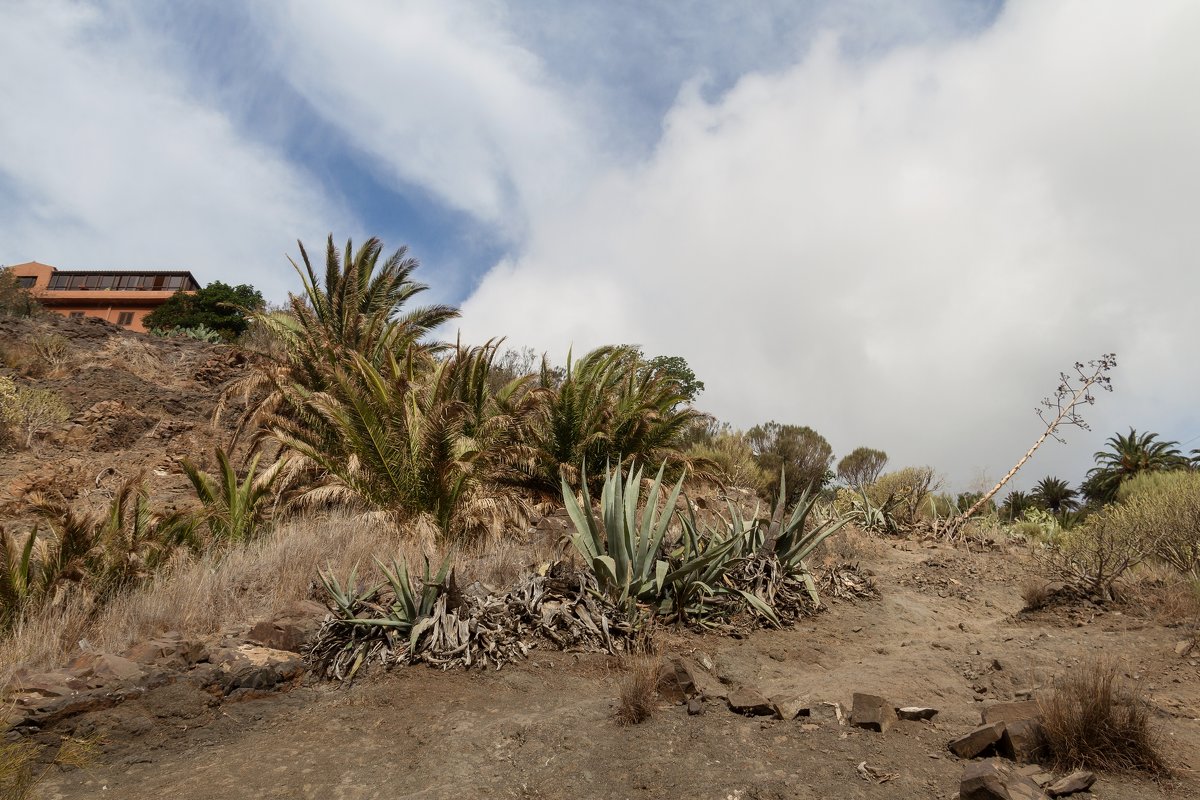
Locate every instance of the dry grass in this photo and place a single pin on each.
(639, 691)
(201, 596)
(1094, 720)
(1036, 593)
(22, 766)
(205, 595)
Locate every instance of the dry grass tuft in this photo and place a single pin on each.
(201, 596)
(22, 766)
(1036, 593)
(1095, 720)
(638, 691)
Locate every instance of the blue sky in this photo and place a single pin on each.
(895, 222)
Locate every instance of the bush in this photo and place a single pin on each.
(14, 300)
(798, 453)
(29, 411)
(904, 493)
(1097, 553)
(52, 349)
(1093, 720)
(1169, 503)
(217, 307)
(732, 460)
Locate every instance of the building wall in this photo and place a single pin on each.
(105, 304)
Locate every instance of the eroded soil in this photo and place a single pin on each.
(945, 633)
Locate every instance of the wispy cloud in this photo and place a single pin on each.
(903, 252)
(108, 159)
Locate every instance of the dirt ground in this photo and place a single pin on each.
(945, 632)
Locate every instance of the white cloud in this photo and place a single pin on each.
(903, 253)
(437, 94)
(107, 160)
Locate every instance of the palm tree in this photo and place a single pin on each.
(1015, 504)
(233, 509)
(605, 408)
(1054, 495)
(1127, 456)
(359, 308)
(420, 447)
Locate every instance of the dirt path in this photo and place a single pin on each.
(944, 634)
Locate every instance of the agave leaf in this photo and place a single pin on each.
(761, 607)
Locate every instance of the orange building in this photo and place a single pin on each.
(123, 297)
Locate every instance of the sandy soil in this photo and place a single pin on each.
(946, 633)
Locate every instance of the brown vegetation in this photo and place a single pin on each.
(1094, 719)
(639, 691)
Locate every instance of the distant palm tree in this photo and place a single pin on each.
(1127, 456)
(1055, 495)
(1015, 504)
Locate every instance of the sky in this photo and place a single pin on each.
(895, 223)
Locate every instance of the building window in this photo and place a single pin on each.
(76, 315)
(125, 318)
(26, 281)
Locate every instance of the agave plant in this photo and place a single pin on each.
(623, 551)
(234, 510)
(376, 625)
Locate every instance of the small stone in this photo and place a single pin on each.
(977, 741)
(1079, 781)
(675, 681)
(1022, 740)
(1183, 648)
(993, 780)
(916, 713)
(695, 707)
(1036, 774)
(1009, 712)
(872, 712)
(750, 703)
(789, 706)
(827, 712)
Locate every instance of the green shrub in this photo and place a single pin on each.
(15, 300)
(201, 333)
(1098, 552)
(904, 493)
(732, 460)
(1168, 503)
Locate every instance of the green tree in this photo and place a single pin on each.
(802, 455)
(861, 466)
(1127, 456)
(15, 300)
(677, 370)
(1055, 495)
(1015, 505)
(223, 308)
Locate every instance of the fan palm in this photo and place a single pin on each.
(1127, 456)
(1055, 495)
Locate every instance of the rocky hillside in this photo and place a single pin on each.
(137, 404)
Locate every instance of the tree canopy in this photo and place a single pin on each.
(861, 466)
(802, 454)
(218, 306)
